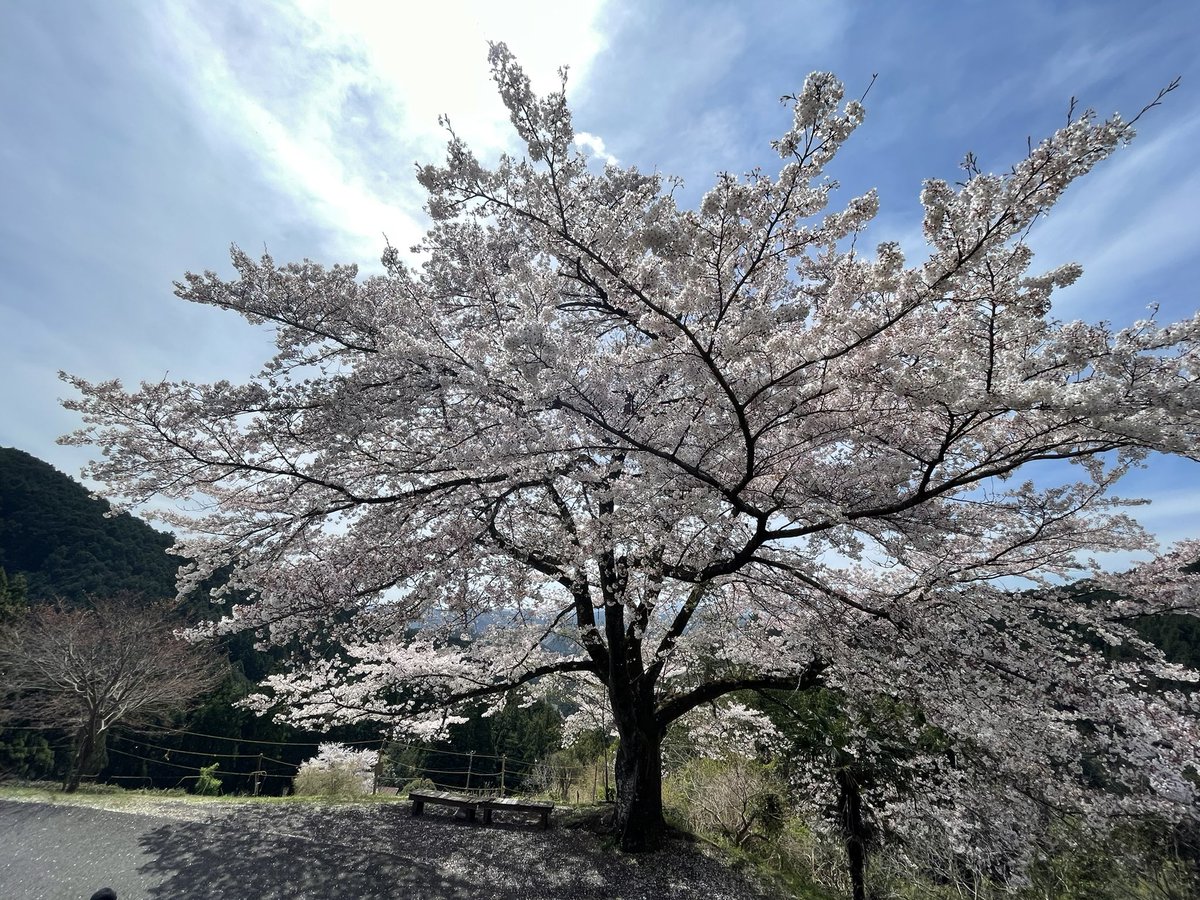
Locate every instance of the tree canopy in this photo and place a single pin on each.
(713, 450)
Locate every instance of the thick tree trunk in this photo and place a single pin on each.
(639, 819)
(83, 753)
(91, 747)
(640, 822)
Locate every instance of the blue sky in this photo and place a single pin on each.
(140, 139)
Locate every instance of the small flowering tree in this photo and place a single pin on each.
(705, 450)
(337, 771)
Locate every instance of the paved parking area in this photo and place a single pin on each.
(293, 851)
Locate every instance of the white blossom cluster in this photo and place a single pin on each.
(339, 758)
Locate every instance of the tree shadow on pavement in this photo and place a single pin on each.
(268, 856)
(381, 852)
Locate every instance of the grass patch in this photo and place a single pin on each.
(110, 796)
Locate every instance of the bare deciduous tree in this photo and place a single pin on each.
(87, 670)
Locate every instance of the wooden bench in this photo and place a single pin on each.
(515, 804)
(442, 798)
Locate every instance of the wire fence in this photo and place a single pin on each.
(400, 765)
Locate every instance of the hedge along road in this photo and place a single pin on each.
(240, 851)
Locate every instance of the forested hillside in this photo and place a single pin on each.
(1177, 636)
(59, 538)
(57, 535)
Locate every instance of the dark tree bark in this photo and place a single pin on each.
(640, 823)
(89, 754)
(643, 708)
(642, 722)
(854, 831)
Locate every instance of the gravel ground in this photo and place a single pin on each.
(165, 849)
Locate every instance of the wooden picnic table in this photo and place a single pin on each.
(442, 798)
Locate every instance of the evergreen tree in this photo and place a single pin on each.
(13, 600)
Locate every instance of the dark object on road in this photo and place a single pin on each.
(105, 894)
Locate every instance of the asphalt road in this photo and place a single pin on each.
(53, 852)
(245, 852)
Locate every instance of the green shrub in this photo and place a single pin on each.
(208, 784)
(418, 784)
(24, 754)
(733, 798)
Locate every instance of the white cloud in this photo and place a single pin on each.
(1133, 217)
(1172, 516)
(594, 145)
(337, 100)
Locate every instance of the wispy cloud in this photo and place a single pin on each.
(1133, 217)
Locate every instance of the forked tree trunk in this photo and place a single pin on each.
(83, 753)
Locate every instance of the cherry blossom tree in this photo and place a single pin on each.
(674, 454)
